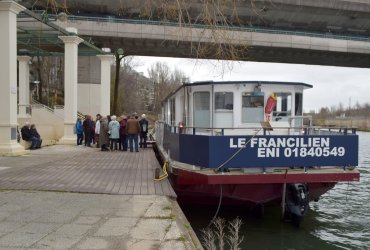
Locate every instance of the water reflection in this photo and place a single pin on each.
(340, 220)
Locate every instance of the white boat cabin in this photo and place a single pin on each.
(232, 106)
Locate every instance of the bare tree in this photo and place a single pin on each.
(50, 78)
(165, 81)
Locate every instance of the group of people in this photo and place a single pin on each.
(112, 133)
(30, 133)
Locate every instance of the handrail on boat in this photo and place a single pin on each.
(301, 130)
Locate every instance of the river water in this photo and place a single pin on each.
(340, 220)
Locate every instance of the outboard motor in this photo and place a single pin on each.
(297, 199)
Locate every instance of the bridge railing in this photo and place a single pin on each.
(114, 19)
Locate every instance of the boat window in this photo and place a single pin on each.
(283, 104)
(224, 101)
(223, 111)
(298, 103)
(252, 100)
(252, 107)
(202, 109)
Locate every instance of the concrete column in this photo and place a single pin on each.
(24, 86)
(70, 87)
(8, 79)
(105, 77)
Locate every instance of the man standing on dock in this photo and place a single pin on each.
(133, 130)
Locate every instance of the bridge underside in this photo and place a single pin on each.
(147, 47)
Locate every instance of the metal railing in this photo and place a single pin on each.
(114, 19)
(291, 130)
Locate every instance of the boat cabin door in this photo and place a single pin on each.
(201, 109)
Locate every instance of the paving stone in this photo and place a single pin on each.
(174, 233)
(57, 242)
(56, 218)
(99, 211)
(163, 200)
(144, 244)
(94, 243)
(112, 201)
(143, 198)
(73, 211)
(41, 228)
(11, 208)
(4, 215)
(173, 244)
(158, 211)
(20, 239)
(136, 209)
(116, 226)
(150, 229)
(23, 217)
(88, 220)
(72, 230)
(7, 227)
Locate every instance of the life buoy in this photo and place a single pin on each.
(270, 105)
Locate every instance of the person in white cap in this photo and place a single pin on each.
(143, 131)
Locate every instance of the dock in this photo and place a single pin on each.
(76, 197)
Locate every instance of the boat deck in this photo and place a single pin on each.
(84, 170)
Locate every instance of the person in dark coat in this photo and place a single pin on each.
(27, 136)
(36, 134)
(143, 131)
(122, 131)
(104, 136)
(88, 127)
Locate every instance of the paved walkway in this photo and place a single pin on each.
(142, 214)
(84, 170)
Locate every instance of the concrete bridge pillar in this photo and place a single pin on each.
(70, 87)
(24, 87)
(105, 76)
(8, 79)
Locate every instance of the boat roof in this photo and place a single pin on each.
(200, 83)
(246, 82)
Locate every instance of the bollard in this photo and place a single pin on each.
(156, 175)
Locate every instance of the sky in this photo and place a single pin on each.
(331, 85)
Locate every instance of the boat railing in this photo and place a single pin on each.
(256, 130)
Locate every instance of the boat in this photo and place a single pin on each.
(248, 143)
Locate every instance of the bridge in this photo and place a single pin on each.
(310, 32)
(321, 33)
